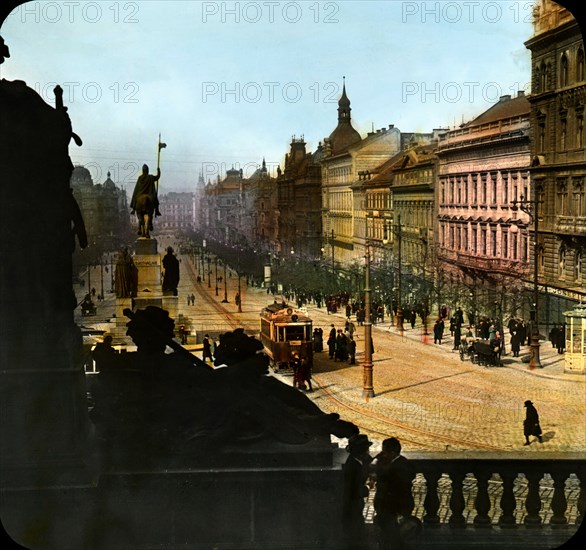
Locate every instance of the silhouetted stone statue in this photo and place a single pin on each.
(179, 402)
(145, 201)
(171, 273)
(126, 276)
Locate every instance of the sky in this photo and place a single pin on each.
(229, 83)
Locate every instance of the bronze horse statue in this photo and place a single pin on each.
(145, 201)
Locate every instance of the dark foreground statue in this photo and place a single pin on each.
(176, 403)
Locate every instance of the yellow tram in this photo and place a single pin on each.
(284, 332)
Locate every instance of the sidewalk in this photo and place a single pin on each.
(552, 363)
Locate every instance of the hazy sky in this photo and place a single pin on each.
(228, 83)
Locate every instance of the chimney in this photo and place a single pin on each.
(504, 98)
(521, 93)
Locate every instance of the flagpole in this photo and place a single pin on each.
(158, 160)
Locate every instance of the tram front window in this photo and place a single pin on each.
(295, 333)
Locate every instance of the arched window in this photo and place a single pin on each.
(580, 65)
(564, 71)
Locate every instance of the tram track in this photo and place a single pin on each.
(209, 300)
(432, 436)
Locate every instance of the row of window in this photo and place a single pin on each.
(492, 241)
(484, 188)
(571, 131)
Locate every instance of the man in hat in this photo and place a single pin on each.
(393, 498)
(355, 472)
(531, 424)
(332, 342)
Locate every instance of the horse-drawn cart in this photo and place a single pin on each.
(480, 352)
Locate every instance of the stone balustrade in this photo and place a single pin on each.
(489, 498)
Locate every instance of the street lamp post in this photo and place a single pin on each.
(225, 300)
(333, 263)
(239, 288)
(209, 272)
(367, 379)
(529, 206)
(216, 262)
(111, 274)
(102, 277)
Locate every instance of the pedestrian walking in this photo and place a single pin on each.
(531, 424)
(341, 353)
(438, 331)
(332, 342)
(295, 364)
(207, 349)
(355, 472)
(560, 340)
(352, 351)
(515, 343)
(413, 318)
(393, 498)
(305, 375)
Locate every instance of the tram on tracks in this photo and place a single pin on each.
(283, 332)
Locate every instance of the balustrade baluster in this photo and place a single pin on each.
(482, 502)
(508, 502)
(431, 503)
(533, 500)
(559, 504)
(457, 502)
(581, 504)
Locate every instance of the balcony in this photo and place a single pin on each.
(570, 224)
(493, 265)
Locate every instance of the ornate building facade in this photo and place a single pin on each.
(558, 166)
(345, 156)
(483, 240)
(299, 203)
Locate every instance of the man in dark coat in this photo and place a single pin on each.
(332, 342)
(393, 498)
(515, 343)
(438, 331)
(207, 349)
(355, 473)
(171, 274)
(531, 424)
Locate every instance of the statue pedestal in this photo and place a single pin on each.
(171, 304)
(148, 263)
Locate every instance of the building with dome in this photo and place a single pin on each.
(345, 154)
(104, 208)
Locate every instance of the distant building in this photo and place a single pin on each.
(299, 203)
(558, 97)
(104, 208)
(177, 212)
